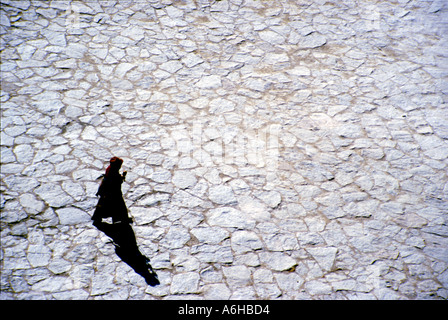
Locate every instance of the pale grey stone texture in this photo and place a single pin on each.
(274, 149)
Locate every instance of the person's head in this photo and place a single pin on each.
(116, 163)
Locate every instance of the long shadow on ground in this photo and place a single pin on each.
(126, 248)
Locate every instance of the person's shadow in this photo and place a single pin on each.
(126, 248)
(111, 205)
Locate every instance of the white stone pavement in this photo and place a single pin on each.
(275, 149)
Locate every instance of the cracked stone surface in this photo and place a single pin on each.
(275, 149)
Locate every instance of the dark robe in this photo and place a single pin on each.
(111, 202)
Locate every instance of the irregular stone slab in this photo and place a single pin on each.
(229, 217)
(76, 50)
(222, 194)
(54, 284)
(221, 253)
(271, 37)
(66, 64)
(438, 119)
(143, 215)
(317, 287)
(39, 255)
(160, 176)
(324, 256)
(289, 281)
(21, 4)
(66, 166)
(176, 237)
(218, 291)
(411, 220)
(184, 179)
(77, 294)
(123, 68)
(212, 235)
(75, 190)
(53, 195)
(49, 107)
(254, 208)
(72, 216)
(437, 253)
(220, 105)
(59, 266)
(237, 276)
(313, 40)
(55, 38)
(267, 291)
(280, 241)
(171, 66)
(185, 283)
(347, 285)
(200, 103)
(276, 58)
(209, 82)
(185, 199)
(299, 71)
(30, 203)
(245, 241)
(271, 198)
(191, 60)
(102, 284)
(24, 153)
(100, 53)
(278, 261)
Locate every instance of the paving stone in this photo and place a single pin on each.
(290, 282)
(324, 256)
(313, 40)
(229, 217)
(176, 237)
(184, 179)
(277, 261)
(70, 216)
(217, 292)
(143, 216)
(209, 82)
(31, 204)
(316, 287)
(210, 235)
(59, 266)
(54, 284)
(53, 195)
(38, 255)
(271, 198)
(222, 194)
(213, 253)
(185, 283)
(245, 241)
(237, 276)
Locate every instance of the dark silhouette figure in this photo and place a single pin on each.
(111, 205)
